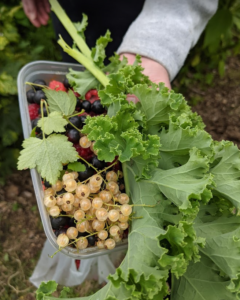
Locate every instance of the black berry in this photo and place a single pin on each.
(59, 222)
(38, 96)
(79, 104)
(34, 124)
(44, 111)
(76, 121)
(99, 164)
(59, 231)
(40, 82)
(86, 105)
(66, 83)
(47, 184)
(97, 107)
(91, 240)
(83, 118)
(73, 135)
(85, 174)
(30, 96)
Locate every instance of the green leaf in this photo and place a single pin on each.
(77, 166)
(33, 132)
(202, 282)
(82, 26)
(186, 182)
(60, 101)
(54, 122)
(98, 53)
(157, 105)
(226, 172)
(3, 42)
(65, 292)
(47, 155)
(222, 236)
(7, 84)
(179, 138)
(82, 82)
(46, 288)
(217, 26)
(9, 137)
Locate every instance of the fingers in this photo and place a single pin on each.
(30, 9)
(43, 15)
(37, 11)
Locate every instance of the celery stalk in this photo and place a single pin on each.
(85, 61)
(67, 23)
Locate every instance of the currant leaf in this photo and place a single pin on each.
(54, 122)
(60, 101)
(47, 155)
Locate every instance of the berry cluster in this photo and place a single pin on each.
(91, 106)
(94, 212)
(88, 208)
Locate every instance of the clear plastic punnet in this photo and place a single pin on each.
(48, 70)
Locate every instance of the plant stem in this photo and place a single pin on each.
(85, 61)
(45, 103)
(42, 101)
(79, 113)
(72, 124)
(126, 180)
(69, 26)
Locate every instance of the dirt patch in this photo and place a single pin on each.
(220, 105)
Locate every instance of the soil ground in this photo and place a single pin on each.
(21, 232)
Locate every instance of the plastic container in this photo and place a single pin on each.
(48, 71)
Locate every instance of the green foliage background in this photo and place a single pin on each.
(21, 42)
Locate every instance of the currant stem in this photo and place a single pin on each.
(72, 124)
(79, 113)
(34, 84)
(45, 103)
(42, 101)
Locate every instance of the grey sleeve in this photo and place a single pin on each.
(166, 30)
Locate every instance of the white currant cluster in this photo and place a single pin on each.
(99, 209)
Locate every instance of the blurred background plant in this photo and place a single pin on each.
(220, 40)
(21, 42)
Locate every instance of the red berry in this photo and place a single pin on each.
(77, 262)
(57, 86)
(85, 153)
(33, 110)
(92, 95)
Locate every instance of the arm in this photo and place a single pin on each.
(164, 33)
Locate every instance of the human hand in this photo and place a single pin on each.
(154, 70)
(37, 11)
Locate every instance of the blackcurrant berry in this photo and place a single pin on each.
(30, 96)
(34, 124)
(73, 135)
(76, 121)
(91, 240)
(59, 231)
(38, 96)
(97, 107)
(83, 118)
(59, 222)
(66, 83)
(39, 81)
(61, 192)
(86, 105)
(99, 164)
(47, 184)
(45, 114)
(85, 174)
(72, 223)
(78, 104)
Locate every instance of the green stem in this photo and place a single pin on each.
(126, 180)
(45, 103)
(69, 26)
(42, 101)
(85, 61)
(72, 124)
(79, 113)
